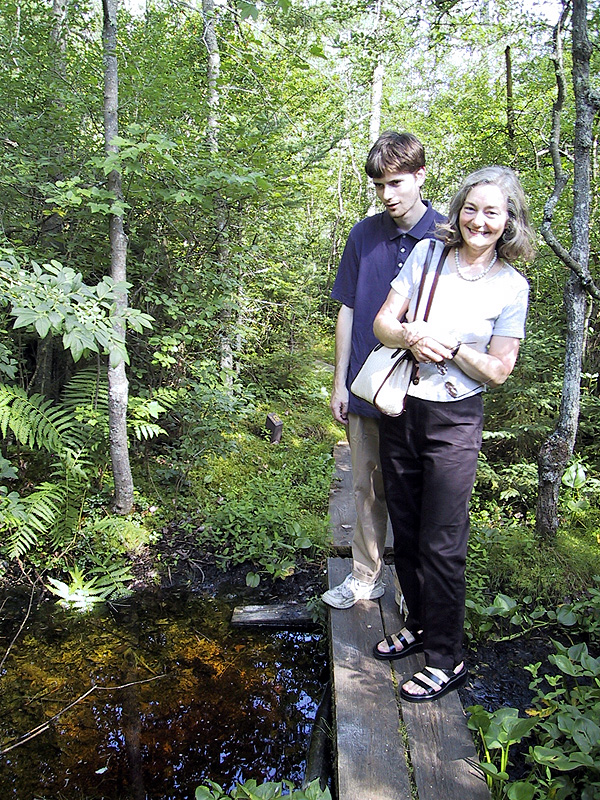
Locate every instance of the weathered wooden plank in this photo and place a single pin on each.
(281, 615)
(342, 511)
(442, 752)
(370, 757)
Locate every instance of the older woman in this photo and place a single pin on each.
(429, 453)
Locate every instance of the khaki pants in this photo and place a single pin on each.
(367, 482)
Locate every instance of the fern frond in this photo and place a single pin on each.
(26, 517)
(67, 523)
(35, 421)
(88, 388)
(77, 465)
(146, 430)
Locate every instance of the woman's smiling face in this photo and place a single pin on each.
(483, 217)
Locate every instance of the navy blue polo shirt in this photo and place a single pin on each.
(374, 254)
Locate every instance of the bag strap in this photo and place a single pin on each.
(436, 277)
(424, 273)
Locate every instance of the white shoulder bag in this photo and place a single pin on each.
(385, 377)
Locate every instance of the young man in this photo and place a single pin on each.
(375, 251)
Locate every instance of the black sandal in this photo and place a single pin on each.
(399, 645)
(452, 681)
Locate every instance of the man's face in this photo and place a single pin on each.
(400, 192)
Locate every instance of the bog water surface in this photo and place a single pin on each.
(149, 698)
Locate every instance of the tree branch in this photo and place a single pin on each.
(45, 725)
(561, 178)
(22, 625)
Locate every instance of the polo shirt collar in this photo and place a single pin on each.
(418, 231)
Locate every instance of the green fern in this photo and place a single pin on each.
(146, 430)
(107, 580)
(86, 395)
(36, 422)
(24, 518)
(87, 389)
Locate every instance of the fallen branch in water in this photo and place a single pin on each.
(22, 625)
(44, 726)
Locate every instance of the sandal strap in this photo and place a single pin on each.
(426, 674)
(401, 638)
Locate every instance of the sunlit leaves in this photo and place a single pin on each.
(54, 299)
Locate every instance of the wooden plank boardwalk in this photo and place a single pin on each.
(387, 749)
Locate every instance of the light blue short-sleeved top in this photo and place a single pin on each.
(471, 311)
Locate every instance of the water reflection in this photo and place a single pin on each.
(180, 697)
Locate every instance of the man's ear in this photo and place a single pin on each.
(420, 176)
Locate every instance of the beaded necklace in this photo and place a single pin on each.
(469, 277)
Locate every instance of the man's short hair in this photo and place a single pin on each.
(396, 152)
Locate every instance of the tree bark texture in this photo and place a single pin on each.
(376, 98)
(60, 31)
(558, 449)
(118, 385)
(510, 103)
(213, 69)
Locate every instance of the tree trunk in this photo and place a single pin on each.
(558, 449)
(118, 386)
(59, 33)
(376, 100)
(213, 69)
(510, 104)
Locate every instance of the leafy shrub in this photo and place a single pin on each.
(265, 791)
(568, 731)
(261, 502)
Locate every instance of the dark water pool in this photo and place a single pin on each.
(178, 697)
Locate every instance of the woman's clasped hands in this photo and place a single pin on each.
(428, 344)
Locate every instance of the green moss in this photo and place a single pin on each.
(507, 557)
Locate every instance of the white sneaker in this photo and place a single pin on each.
(400, 602)
(352, 590)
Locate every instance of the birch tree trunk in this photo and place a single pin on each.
(510, 103)
(221, 222)
(376, 99)
(558, 448)
(118, 385)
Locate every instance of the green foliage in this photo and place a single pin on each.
(247, 500)
(565, 751)
(499, 731)
(251, 790)
(22, 520)
(54, 299)
(82, 593)
(568, 731)
(266, 503)
(36, 421)
(74, 434)
(507, 484)
(505, 557)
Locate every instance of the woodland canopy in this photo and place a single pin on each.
(178, 181)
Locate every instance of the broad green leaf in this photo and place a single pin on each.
(575, 476)
(247, 9)
(521, 790)
(252, 579)
(42, 327)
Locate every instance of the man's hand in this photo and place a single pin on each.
(339, 405)
(343, 342)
